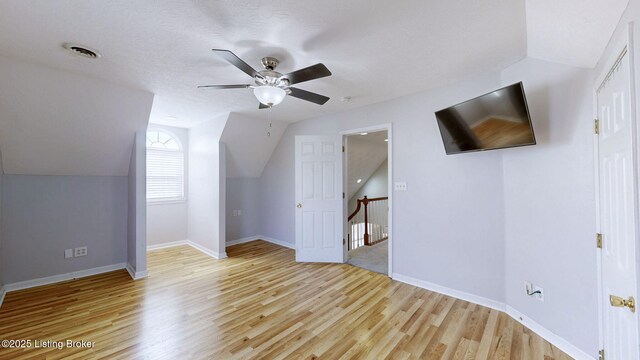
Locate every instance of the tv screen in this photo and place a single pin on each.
(499, 119)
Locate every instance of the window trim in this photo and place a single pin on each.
(168, 200)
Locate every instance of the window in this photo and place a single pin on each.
(165, 167)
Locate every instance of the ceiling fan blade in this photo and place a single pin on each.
(309, 96)
(224, 86)
(316, 71)
(237, 62)
(262, 106)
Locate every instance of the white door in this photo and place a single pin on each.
(618, 212)
(318, 198)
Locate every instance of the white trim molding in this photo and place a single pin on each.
(548, 335)
(136, 275)
(242, 241)
(278, 242)
(207, 251)
(63, 277)
(390, 191)
(260, 237)
(493, 304)
(167, 245)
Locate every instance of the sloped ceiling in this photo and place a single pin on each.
(365, 153)
(573, 32)
(250, 143)
(57, 123)
(60, 123)
(377, 50)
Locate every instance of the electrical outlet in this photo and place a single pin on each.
(68, 253)
(539, 293)
(239, 212)
(80, 251)
(400, 186)
(528, 287)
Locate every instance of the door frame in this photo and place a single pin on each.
(625, 40)
(380, 127)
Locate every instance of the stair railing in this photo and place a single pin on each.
(368, 224)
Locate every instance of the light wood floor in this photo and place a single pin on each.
(258, 303)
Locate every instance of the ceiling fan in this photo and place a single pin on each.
(271, 86)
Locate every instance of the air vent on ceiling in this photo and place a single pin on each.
(82, 51)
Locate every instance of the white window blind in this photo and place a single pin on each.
(165, 168)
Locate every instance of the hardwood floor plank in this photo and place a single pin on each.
(258, 304)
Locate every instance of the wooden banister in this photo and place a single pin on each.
(378, 199)
(365, 201)
(355, 212)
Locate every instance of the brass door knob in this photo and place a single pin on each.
(298, 205)
(617, 301)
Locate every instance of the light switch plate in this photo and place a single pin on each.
(68, 253)
(400, 186)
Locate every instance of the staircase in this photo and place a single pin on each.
(368, 224)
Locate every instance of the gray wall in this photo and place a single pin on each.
(453, 210)
(137, 207)
(550, 203)
(131, 210)
(376, 186)
(243, 194)
(206, 204)
(44, 215)
(1, 243)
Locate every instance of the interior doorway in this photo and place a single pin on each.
(617, 211)
(366, 185)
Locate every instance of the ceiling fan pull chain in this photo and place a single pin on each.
(269, 120)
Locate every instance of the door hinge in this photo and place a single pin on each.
(601, 354)
(596, 126)
(599, 240)
(343, 241)
(343, 195)
(342, 148)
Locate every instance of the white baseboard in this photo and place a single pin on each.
(3, 292)
(167, 245)
(493, 304)
(556, 340)
(63, 277)
(136, 275)
(260, 237)
(209, 252)
(194, 245)
(242, 241)
(278, 242)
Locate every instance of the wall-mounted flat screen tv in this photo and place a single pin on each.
(497, 120)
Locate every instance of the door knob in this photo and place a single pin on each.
(298, 205)
(617, 301)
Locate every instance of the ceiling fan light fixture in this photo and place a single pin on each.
(269, 95)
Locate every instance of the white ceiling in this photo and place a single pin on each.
(377, 50)
(55, 123)
(249, 144)
(365, 153)
(573, 32)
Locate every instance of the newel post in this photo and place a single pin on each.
(365, 201)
